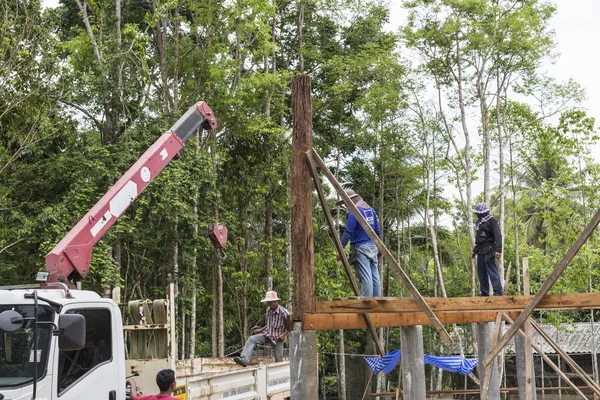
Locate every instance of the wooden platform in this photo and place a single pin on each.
(394, 311)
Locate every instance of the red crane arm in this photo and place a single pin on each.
(70, 259)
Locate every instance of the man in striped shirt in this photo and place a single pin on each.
(273, 333)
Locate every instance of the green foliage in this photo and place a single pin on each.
(80, 104)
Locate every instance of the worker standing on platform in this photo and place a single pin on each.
(273, 333)
(488, 249)
(363, 252)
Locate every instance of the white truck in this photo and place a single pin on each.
(60, 342)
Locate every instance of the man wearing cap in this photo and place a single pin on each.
(273, 333)
(488, 249)
(363, 252)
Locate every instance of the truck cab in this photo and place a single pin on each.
(94, 371)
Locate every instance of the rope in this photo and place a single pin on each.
(237, 351)
(350, 354)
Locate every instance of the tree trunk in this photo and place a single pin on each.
(176, 276)
(243, 251)
(195, 262)
(342, 368)
(215, 305)
(220, 322)
(300, 29)
(269, 239)
(176, 58)
(161, 30)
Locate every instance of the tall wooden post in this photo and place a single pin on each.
(303, 345)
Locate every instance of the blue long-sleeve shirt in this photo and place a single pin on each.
(354, 233)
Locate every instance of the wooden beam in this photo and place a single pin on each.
(384, 250)
(324, 322)
(546, 286)
(542, 354)
(340, 249)
(562, 301)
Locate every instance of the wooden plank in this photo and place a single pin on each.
(340, 249)
(324, 322)
(495, 336)
(546, 286)
(384, 250)
(582, 374)
(302, 224)
(548, 361)
(561, 301)
(527, 336)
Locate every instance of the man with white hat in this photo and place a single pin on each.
(363, 252)
(273, 333)
(488, 249)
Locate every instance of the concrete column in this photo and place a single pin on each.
(413, 363)
(521, 374)
(304, 379)
(484, 338)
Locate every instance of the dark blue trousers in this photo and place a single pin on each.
(486, 267)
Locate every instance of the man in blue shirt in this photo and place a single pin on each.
(363, 252)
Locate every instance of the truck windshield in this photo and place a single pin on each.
(16, 348)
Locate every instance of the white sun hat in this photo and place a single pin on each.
(270, 296)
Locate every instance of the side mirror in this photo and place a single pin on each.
(10, 321)
(72, 328)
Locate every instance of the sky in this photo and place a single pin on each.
(576, 26)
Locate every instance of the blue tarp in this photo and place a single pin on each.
(388, 362)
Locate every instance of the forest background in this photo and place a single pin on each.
(453, 107)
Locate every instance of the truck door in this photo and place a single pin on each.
(92, 373)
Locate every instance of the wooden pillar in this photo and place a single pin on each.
(413, 363)
(524, 353)
(303, 345)
(484, 339)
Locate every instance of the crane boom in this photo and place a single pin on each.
(70, 259)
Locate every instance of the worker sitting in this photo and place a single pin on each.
(273, 333)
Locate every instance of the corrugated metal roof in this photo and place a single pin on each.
(573, 338)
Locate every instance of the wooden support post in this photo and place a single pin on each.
(529, 371)
(383, 249)
(495, 336)
(340, 250)
(303, 345)
(578, 370)
(413, 363)
(546, 286)
(555, 367)
(484, 339)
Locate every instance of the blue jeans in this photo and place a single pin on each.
(486, 267)
(367, 271)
